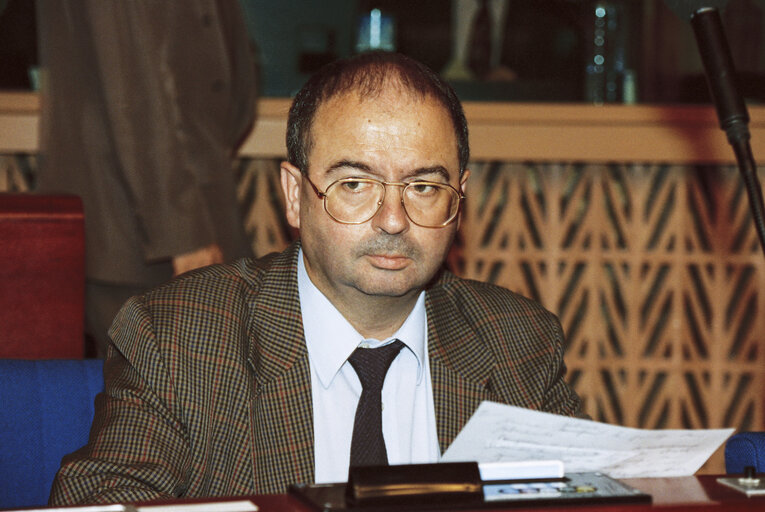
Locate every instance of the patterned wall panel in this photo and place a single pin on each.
(260, 196)
(655, 272)
(17, 172)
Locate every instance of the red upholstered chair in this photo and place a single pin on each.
(42, 276)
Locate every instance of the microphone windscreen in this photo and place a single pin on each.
(685, 8)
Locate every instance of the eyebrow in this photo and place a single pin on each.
(421, 171)
(341, 164)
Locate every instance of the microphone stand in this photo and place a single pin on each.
(748, 170)
(731, 109)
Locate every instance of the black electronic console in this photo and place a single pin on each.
(458, 486)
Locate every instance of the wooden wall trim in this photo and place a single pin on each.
(18, 122)
(501, 131)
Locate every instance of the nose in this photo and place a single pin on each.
(391, 217)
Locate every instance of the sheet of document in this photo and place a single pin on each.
(498, 433)
(87, 508)
(222, 506)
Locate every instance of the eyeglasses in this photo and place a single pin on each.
(356, 200)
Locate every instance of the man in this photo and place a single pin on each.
(238, 379)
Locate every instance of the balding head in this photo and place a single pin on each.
(367, 76)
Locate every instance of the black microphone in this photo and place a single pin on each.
(721, 75)
(715, 54)
(685, 8)
(723, 85)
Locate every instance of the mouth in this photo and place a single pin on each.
(389, 261)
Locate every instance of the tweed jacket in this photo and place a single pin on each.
(208, 381)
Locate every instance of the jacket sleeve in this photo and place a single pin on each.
(560, 398)
(138, 449)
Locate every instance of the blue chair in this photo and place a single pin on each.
(745, 449)
(45, 413)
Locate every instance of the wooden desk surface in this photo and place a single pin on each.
(700, 493)
(694, 494)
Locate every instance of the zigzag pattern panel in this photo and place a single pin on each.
(259, 193)
(654, 271)
(17, 172)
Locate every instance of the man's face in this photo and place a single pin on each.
(393, 138)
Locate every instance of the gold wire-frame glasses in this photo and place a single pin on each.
(356, 200)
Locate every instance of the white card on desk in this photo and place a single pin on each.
(521, 470)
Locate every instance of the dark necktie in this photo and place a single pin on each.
(371, 365)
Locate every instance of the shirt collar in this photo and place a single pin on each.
(331, 339)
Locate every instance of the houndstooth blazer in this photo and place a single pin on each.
(208, 383)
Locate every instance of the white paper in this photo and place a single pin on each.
(87, 508)
(222, 506)
(498, 433)
(213, 506)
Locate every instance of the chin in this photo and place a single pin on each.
(389, 288)
(386, 292)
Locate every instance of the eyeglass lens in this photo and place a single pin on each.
(355, 201)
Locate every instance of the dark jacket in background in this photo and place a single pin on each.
(144, 103)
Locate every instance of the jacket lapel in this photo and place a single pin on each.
(460, 365)
(281, 406)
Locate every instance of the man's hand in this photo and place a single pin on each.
(199, 258)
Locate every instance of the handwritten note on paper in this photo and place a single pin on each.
(499, 433)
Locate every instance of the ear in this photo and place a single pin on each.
(463, 189)
(291, 182)
(463, 180)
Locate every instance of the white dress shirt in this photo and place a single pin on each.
(409, 419)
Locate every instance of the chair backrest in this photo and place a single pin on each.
(745, 449)
(47, 410)
(42, 276)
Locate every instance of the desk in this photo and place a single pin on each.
(700, 493)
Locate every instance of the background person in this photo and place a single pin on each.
(143, 106)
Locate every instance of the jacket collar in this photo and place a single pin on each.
(276, 325)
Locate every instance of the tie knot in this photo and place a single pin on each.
(371, 364)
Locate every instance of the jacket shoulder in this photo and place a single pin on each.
(484, 298)
(196, 307)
